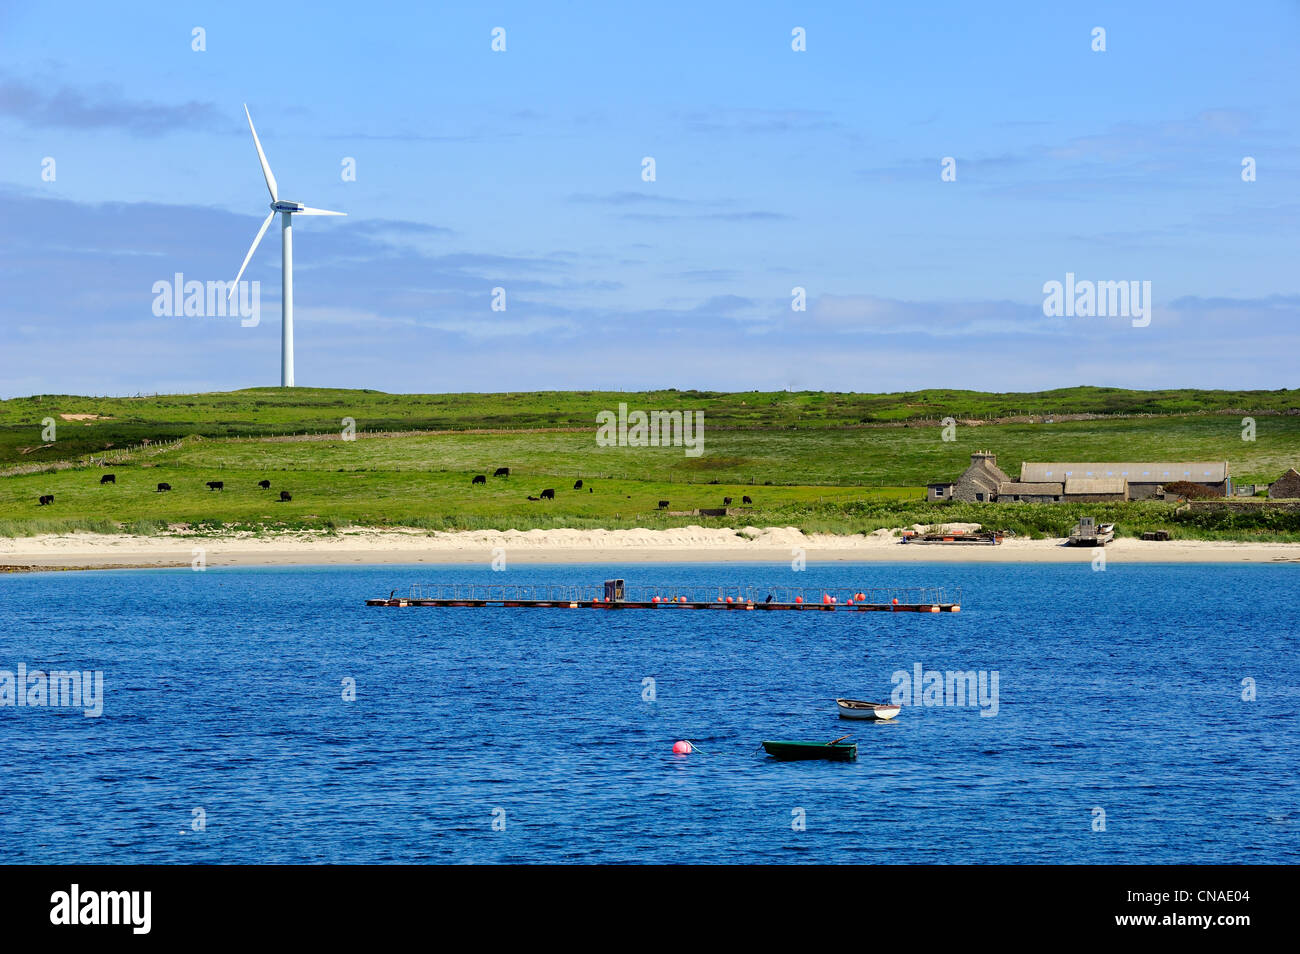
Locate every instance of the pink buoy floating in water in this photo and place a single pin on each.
(682, 748)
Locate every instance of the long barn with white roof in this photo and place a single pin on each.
(1057, 481)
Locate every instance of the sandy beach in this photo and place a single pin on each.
(685, 544)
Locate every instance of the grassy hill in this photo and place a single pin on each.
(266, 411)
(822, 461)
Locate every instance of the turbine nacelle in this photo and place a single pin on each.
(297, 208)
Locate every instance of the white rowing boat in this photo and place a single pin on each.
(857, 709)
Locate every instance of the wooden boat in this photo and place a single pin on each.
(857, 709)
(985, 538)
(836, 751)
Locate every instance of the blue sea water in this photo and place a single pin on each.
(1118, 691)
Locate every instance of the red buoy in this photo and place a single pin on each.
(681, 748)
(798, 599)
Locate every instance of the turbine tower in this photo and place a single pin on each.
(286, 210)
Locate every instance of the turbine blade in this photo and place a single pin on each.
(311, 211)
(251, 249)
(261, 157)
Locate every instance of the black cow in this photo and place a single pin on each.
(548, 494)
(726, 501)
(531, 497)
(46, 499)
(591, 490)
(578, 485)
(502, 472)
(216, 485)
(264, 484)
(108, 479)
(745, 500)
(164, 487)
(663, 505)
(480, 479)
(284, 495)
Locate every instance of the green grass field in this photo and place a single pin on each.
(841, 463)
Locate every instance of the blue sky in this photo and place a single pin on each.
(774, 169)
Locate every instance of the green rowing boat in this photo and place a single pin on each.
(837, 751)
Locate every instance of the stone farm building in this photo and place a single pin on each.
(1286, 487)
(1056, 482)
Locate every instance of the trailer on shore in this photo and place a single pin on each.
(1088, 533)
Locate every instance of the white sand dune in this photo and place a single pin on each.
(681, 544)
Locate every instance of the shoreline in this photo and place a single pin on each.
(373, 547)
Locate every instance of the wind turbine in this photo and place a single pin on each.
(286, 210)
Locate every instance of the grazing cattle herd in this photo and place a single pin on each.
(47, 499)
(547, 494)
